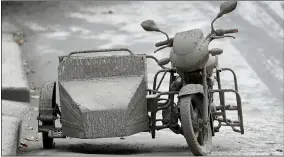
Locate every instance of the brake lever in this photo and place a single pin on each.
(229, 36)
(161, 48)
(220, 37)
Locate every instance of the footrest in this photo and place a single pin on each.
(56, 134)
(42, 117)
(227, 107)
(235, 129)
(229, 122)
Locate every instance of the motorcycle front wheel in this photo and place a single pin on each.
(198, 138)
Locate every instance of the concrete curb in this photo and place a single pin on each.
(16, 94)
(12, 114)
(11, 135)
(14, 82)
(15, 91)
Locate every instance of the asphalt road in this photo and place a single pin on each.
(56, 28)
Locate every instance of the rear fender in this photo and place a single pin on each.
(191, 89)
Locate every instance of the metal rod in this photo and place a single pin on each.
(227, 107)
(221, 95)
(239, 105)
(240, 112)
(235, 77)
(154, 112)
(156, 76)
(153, 91)
(166, 106)
(61, 58)
(158, 120)
(154, 58)
(222, 107)
(223, 90)
(217, 113)
(153, 118)
(205, 100)
(238, 98)
(101, 50)
(230, 124)
(171, 97)
(161, 80)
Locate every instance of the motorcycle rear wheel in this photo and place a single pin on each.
(199, 141)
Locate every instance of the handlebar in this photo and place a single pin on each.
(231, 31)
(218, 32)
(165, 42)
(221, 32)
(157, 61)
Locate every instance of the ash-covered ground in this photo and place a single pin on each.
(53, 29)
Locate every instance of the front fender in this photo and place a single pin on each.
(191, 89)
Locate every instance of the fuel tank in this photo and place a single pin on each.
(189, 51)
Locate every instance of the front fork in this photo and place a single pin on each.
(204, 81)
(206, 120)
(169, 115)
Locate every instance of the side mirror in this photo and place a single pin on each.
(150, 25)
(215, 51)
(227, 7)
(163, 61)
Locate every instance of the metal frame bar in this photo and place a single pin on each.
(100, 50)
(223, 107)
(155, 109)
(156, 60)
(155, 106)
(95, 51)
(172, 77)
(161, 80)
(156, 76)
(205, 99)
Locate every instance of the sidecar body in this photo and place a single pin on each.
(103, 96)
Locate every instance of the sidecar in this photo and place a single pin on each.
(100, 97)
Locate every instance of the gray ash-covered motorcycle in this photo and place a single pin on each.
(192, 79)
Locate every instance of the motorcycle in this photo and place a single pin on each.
(194, 65)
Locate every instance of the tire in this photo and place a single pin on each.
(47, 102)
(190, 107)
(47, 142)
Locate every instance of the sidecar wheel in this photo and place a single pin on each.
(47, 109)
(47, 142)
(199, 141)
